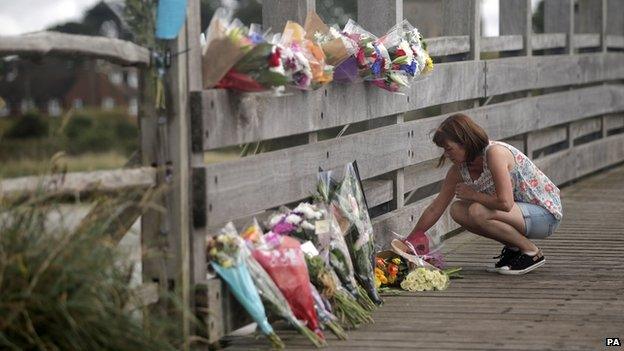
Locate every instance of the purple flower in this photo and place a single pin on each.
(410, 69)
(283, 228)
(376, 67)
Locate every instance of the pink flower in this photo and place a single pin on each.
(519, 159)
(533, 182)
(523, 186)
(548, 188)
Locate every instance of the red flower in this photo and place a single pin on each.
(361, 58)
(399, 53)
(519, 159)
(535, 202)
(275, 58)
(533, 182)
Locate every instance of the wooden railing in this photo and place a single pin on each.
(563, 108)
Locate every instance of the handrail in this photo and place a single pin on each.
(44, 43)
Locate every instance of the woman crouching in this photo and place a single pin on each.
(501, 195)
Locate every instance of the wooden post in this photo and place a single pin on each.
(275, 13)
(515, 19)
(559, 18)
(615, 17)
(378, 17)
(463, 17)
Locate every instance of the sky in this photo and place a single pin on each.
(23, 16)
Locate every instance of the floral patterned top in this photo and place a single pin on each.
(530, 185)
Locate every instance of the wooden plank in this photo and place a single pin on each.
(502, 43)
(584, 127)
(519, 73)
(53, 43)
(222, 118)
(424, 173)
(378, 191)
(448, 45)
(545, 137)
(584, 41)
(80, 183)
(548, 41)
(515, 19)
(243, 118)
(589, 16)
(559, 18)
(615, 41)
(614, 121)
(463, 17)
(581, 160)
(248, 185)
(379, 16)
(276, 13)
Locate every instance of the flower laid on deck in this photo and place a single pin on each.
(422, 279)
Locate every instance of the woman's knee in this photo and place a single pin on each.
(478, 213)
(459, 212)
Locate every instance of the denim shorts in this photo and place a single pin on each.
(538, 222)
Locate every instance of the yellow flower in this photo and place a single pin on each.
(428, 65)
(377, 282)
(396, 261)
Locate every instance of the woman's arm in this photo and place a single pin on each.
(433, 212)
(498, 160)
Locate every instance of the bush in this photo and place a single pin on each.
(99, 132)
(66, 290)
(30, 125)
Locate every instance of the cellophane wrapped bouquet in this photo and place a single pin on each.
(227, 257)
(408, 54)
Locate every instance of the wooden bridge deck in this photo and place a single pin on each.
(573, 302)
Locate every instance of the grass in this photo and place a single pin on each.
(83, 162)
(63, 289)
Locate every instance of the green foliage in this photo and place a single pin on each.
(141, 18)
(30, 125)
(64, 289)
(99, 132)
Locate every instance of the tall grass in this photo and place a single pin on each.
(64, 289)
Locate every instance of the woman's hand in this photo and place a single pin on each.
(464, 192)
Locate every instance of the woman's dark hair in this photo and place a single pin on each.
(464, 131)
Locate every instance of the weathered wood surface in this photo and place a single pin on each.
(44, 43)
(572, 303)
(221, 118)
(80, 183)
(245, 186)
(548, 41)
(502, 43)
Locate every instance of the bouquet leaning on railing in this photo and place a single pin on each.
(269, 292)
(226, 256)
(282, 258)
(408, 55)
(351, 204)
(304, 61)
(372, 57)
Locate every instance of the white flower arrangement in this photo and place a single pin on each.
(422, 279)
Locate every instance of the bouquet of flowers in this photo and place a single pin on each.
(269, 292)
(227, 259)
(324, 313)
(390, 269)
(303, 60)
(336, 46)
(372, 57)
(408, 54)
(282, 258)
(351, 204)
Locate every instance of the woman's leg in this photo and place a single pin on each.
(504, 227)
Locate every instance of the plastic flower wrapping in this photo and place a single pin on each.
(227, 258)
(408, 55)
(269, 292)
